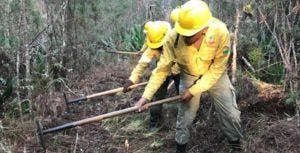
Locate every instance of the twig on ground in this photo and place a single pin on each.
(76, 141)
(170, 85)
(209, 112)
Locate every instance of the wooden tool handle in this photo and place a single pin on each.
(114, 90)
(125, 52)
(105, 116)
(124, 111)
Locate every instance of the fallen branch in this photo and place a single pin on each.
(248, 64)
(267, 66)
(170, 85)
(76, 141)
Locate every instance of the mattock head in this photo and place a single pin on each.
(40, 133)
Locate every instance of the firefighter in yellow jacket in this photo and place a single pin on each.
(199, 44)
(155, 36)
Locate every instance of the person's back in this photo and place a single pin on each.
(156, 32)
(187, 55)
(199, 44)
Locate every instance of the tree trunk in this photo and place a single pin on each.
(64, 36)
(235, 41)
(211, 6)
(6, 23)
(151, 11)
(27, 57)
(220, 10)
(25, 48)
(22, 48)
(69, 33)
(285, 41)
(47, 19)
(166, 9)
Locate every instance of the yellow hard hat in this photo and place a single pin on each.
(193, 16)
(156, 32)
(174, 15)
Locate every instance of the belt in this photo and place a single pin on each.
(192, 75)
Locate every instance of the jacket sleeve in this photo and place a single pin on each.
(143, 63)
(163, 69)
(144, 48)
(217, 68)
(158, 76)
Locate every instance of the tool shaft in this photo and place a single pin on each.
(125, 52)
(107, 115)
(115, 90)
(104, 93)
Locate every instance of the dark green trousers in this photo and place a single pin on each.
(156, 111)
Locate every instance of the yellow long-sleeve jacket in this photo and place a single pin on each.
(148, 55)
(208, 63)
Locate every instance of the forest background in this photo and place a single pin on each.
(48, 47)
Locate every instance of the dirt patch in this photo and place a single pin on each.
(257, 96)
(282, 136)
(91, 137)
(130, 132)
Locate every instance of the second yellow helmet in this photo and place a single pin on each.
(156, 32)
(174, 15)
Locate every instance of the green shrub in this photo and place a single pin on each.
(272, 74)
(6, 88)
(256, 57)
(291, 98)
(135, 39)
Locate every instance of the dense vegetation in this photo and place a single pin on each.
(46, 45)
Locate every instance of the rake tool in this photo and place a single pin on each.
(41, 132)
(100, 94)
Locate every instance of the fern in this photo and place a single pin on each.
(108, 42)
(256, 56)
(40, 63)
(135, 39)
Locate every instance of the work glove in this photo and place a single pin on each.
(141, 104)
(186, 96)
(126, 86)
